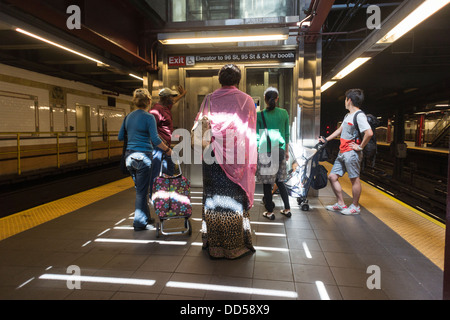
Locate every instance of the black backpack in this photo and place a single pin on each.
(370, 149)
(320, 178)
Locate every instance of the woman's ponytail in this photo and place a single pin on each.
(271, 96)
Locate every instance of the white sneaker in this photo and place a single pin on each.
(336, 207)
(351, 210)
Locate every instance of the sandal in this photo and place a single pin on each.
(286, 213)
(269, 216)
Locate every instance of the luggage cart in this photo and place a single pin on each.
(172, 200)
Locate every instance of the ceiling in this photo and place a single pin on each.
(411, 75)
(123, 47)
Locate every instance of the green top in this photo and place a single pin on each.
(277, 122)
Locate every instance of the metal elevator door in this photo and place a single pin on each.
(199, 83)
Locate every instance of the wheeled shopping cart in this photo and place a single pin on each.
(172, 200)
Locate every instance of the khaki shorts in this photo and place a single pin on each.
(349, 162)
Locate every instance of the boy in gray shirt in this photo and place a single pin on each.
(350, 152)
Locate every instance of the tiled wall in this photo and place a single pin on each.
(28, 105)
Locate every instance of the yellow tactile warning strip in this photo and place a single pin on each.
(28, 219)
(425, 234)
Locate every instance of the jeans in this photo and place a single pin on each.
(139, 165)
(160, 158)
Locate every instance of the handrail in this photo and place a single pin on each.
(20, 137)
(438, 127)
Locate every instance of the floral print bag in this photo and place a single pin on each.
(172, 197)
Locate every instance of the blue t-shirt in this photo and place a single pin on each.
(141, 131)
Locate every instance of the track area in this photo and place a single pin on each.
(21, 196)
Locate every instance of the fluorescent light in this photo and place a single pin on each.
(272, 37)
(322, 291)
(245, 290)
(424, 11)
(350, 68)
(62, 277)
(135, 241)
(267, 223)
(327, 85)
(59, 46)
(307, 252)
(271, 249)
(270, 234)
(137, 77)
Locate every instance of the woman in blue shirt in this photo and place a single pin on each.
(142, 134)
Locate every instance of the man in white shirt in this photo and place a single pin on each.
(350, 152)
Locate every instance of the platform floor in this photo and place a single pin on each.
(313, 255)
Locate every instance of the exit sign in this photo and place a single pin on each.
(177, 61)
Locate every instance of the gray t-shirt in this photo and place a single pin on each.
(349, 132)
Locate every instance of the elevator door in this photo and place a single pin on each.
(199, 83)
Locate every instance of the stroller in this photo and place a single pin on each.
(309, 173)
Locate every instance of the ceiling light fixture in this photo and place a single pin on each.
(421, 13)
(137, 77)
(327, 85)
(350, 68)
(207, 40)
(59, 46)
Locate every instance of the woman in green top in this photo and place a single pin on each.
(272, 131)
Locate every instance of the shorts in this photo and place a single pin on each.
(349, 162)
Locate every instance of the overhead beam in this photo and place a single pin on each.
(370, 46)
(41, 10)
(323, 8)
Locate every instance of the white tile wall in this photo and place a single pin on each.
(19, 115)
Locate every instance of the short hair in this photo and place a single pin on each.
(356, 96)
(142, 98)
(230, 75)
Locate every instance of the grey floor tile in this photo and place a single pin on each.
(315, 255)
(312, 273)
(273, 271)
(315, 291)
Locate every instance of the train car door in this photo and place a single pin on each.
(83, 129)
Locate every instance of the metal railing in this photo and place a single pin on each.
(18, 146)
(441, 125)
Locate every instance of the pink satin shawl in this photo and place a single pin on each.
(233, 127)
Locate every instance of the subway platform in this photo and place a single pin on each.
(388, 252)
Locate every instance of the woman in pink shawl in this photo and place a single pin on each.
(229, 167)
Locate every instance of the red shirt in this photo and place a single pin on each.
(164, 121)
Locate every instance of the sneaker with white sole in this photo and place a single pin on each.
(351, 210)
(336, 207)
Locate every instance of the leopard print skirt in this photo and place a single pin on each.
(226, 232)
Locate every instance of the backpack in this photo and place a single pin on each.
(370, 149)
(320, 178)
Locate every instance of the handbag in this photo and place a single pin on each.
(265, 171)
(123, 164)
(171, 196)
(201, 131)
